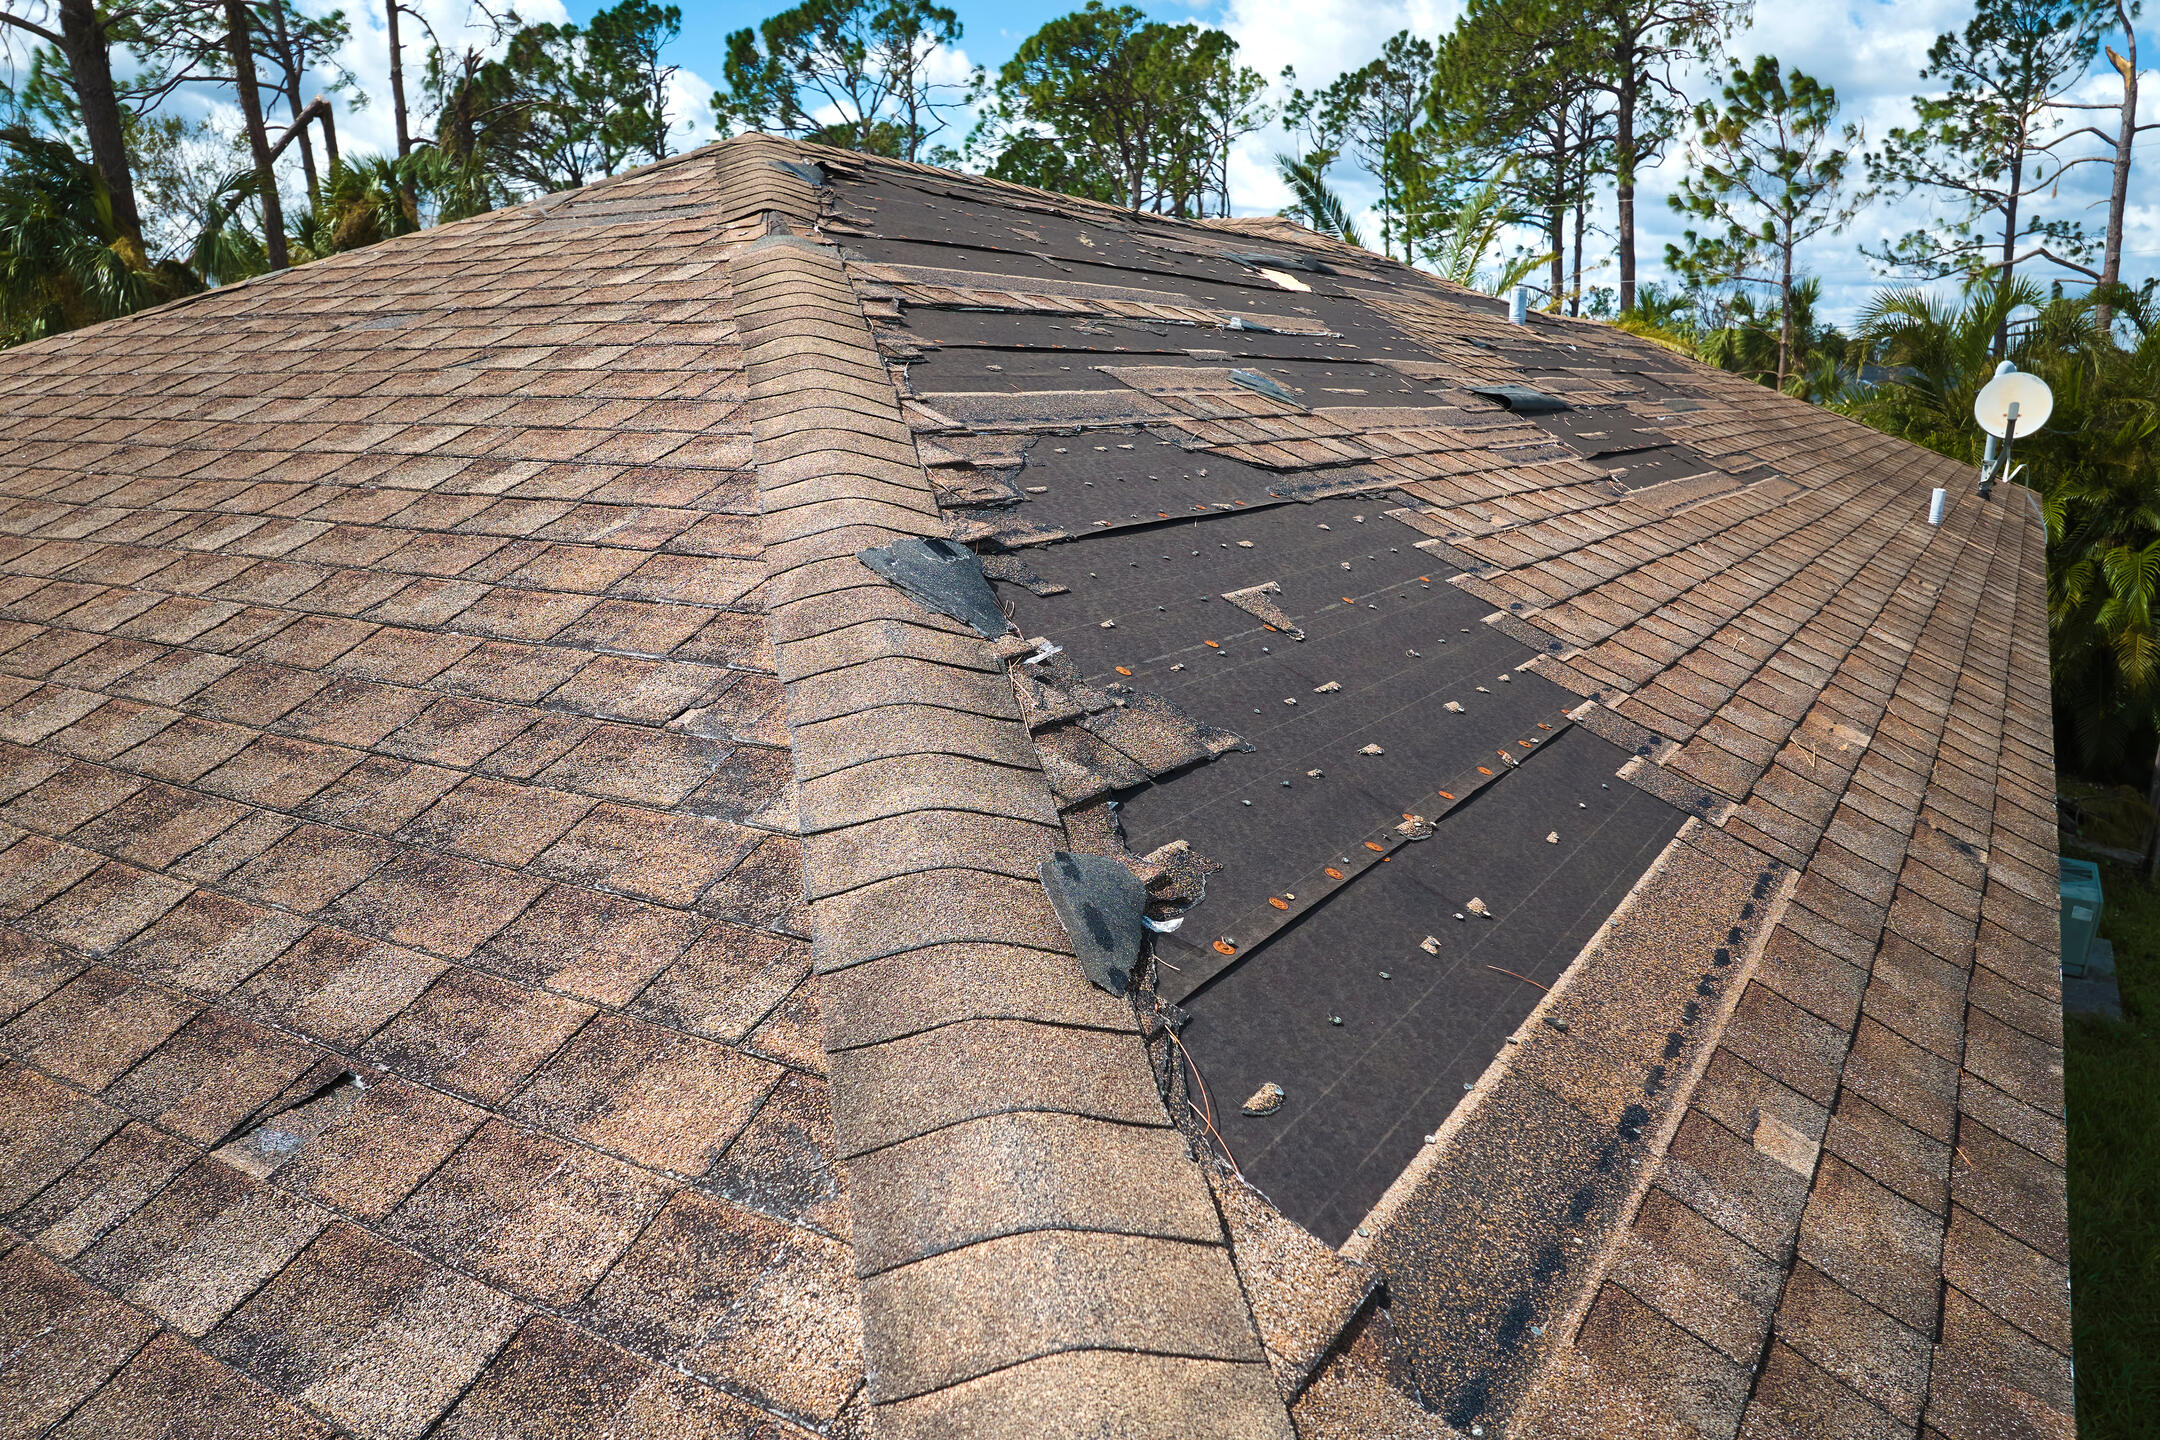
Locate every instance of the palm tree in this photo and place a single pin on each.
(366, 200)
(64, 259)
(1457, 250)
(1313, 201)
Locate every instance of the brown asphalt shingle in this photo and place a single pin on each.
(341, 661)
(508, 929)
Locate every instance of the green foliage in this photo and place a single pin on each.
(1767, 181)
(1459, 247)
(1517, 83)
(870, 62)
(1372, 115)
(2096, 466)
(63, 261)
(562, 106)
(2111, 1084)
(1142, 113)
(1984, 144)
(366, 200)
(1313, 201)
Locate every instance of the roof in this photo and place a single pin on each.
(514, 929)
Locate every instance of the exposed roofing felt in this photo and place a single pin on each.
(515, 929)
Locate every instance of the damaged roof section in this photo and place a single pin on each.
(1385, 700)
(1580, 867)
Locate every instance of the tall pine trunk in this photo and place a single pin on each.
(242, 52)
(397, 81)
(1784, 339)
(1624, 185)
(2119, 191)
(2009, 247)
(288, 61)
(89, 57)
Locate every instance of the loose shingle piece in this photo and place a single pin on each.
(529, 905)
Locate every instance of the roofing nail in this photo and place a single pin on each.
(1248, 802)
(1385, 976)
(1334, 1019)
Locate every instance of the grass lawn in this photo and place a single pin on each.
(2113, 1085)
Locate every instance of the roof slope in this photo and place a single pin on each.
(409, 1012)
(448, 725)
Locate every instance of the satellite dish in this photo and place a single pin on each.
(2029, 393)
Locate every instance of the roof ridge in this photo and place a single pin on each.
(988, 1259)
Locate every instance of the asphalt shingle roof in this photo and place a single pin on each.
(511, 929)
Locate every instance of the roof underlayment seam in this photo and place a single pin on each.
(1013, 1329)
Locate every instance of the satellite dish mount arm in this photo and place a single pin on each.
(1989, 463)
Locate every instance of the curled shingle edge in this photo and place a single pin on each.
(997, 1304)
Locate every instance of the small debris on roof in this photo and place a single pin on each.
(1430, 944)
(1107, 625)
(1453, 707)
(1328, 689)
(1254, 602)
(1477, 907)
(943, 576)
(1371, 750)
(1266, 1100)
(1244, 545)
(1480, 689)
(1552, 837)
(1100, 902)
(1014, 570)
